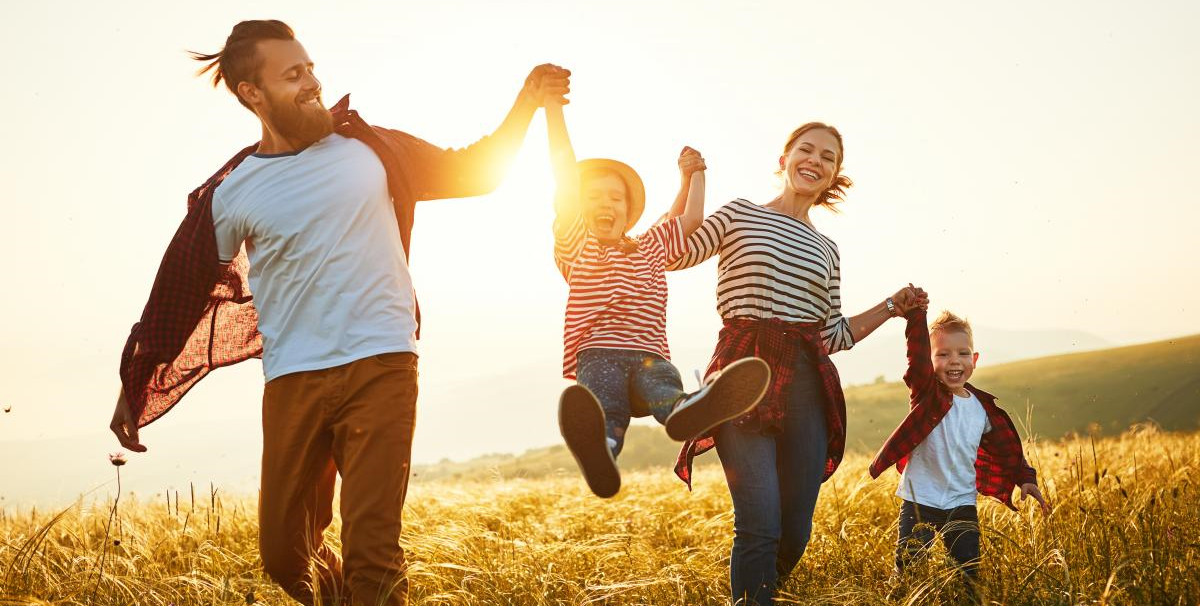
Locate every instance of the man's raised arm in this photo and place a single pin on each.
(479, 168)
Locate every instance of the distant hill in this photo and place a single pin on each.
(1106, 391)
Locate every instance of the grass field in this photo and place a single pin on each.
(1126, 530)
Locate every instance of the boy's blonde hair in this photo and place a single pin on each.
(948, 322)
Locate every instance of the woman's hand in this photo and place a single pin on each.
(910, 297)
(690, 161)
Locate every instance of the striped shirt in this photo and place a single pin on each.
(772, 266)
(617, 300)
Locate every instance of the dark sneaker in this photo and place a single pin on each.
(730, 394)
(581, 421)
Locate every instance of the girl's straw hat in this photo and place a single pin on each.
(633, 183)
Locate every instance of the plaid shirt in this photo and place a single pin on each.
(199, 318)
(1000, 463)
(776, 342)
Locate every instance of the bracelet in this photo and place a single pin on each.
(891, 306)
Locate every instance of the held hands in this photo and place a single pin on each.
(548, 84)
(1031, 490)
(910, 297)
(690, 161)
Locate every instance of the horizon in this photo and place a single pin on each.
(1027, 165)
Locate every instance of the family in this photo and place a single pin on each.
(314, 220)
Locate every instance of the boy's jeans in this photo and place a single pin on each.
(960, 533)
(616, 375)
(774, 482)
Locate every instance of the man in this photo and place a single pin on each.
(324, 205)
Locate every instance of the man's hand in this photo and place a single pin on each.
(690, 161)
(125, 426)
(1031, 490)
(546, 84)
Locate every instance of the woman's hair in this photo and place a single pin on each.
(238, 60)
(837, 190)
(627, 244)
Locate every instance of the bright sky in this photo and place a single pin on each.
(1027, 163)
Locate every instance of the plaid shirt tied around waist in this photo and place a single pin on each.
(777, 342)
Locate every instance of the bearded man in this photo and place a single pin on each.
(323, 204)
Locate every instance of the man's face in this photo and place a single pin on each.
(954, 358)
(288, 99)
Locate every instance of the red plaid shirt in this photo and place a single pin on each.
(198, 318)
(1000, 463)
(776, 342)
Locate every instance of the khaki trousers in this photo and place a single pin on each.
(355, 420)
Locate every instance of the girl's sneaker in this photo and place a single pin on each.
(581, 421)
(729, 394)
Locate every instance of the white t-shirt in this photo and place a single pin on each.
(327, 266)
(941, 470)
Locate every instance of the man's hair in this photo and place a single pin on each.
(238, 61)
(948, 322)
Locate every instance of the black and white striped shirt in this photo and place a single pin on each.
(772, 266)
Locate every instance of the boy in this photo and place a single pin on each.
(614, 341)
(954, 443)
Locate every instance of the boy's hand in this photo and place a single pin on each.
(548, 83)
(909, 298)
(690, 161)
(1031, 490)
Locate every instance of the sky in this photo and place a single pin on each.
(1027, 163)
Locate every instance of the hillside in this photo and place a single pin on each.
(1106, 391)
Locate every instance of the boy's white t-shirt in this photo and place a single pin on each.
(327, 267)
(941, 470)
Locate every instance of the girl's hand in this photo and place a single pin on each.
(548, 84)
(1031, 490)
(690, 161)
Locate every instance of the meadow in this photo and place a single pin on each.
(1125, 530)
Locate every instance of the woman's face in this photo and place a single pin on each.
(605, 207)
(811, 165)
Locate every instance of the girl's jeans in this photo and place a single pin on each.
(618, 375)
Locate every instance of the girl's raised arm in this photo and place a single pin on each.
(562, 161)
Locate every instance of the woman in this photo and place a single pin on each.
(778, 291)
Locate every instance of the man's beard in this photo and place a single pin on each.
(300, 124)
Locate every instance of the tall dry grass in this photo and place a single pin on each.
(1126, 530)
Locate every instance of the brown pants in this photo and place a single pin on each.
(357, 420)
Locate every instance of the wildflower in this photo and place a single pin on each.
(117, 458)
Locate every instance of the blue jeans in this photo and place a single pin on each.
(960, 533)
(774, 481)
(618, 375)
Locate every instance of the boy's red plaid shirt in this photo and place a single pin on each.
(1000, 464)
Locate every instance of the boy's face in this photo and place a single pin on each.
(606, 206)
(953, 358)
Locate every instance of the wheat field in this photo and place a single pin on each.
(1125, 530)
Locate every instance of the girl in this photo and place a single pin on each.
(614, 341)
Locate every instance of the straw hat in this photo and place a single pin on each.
(633, 183)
